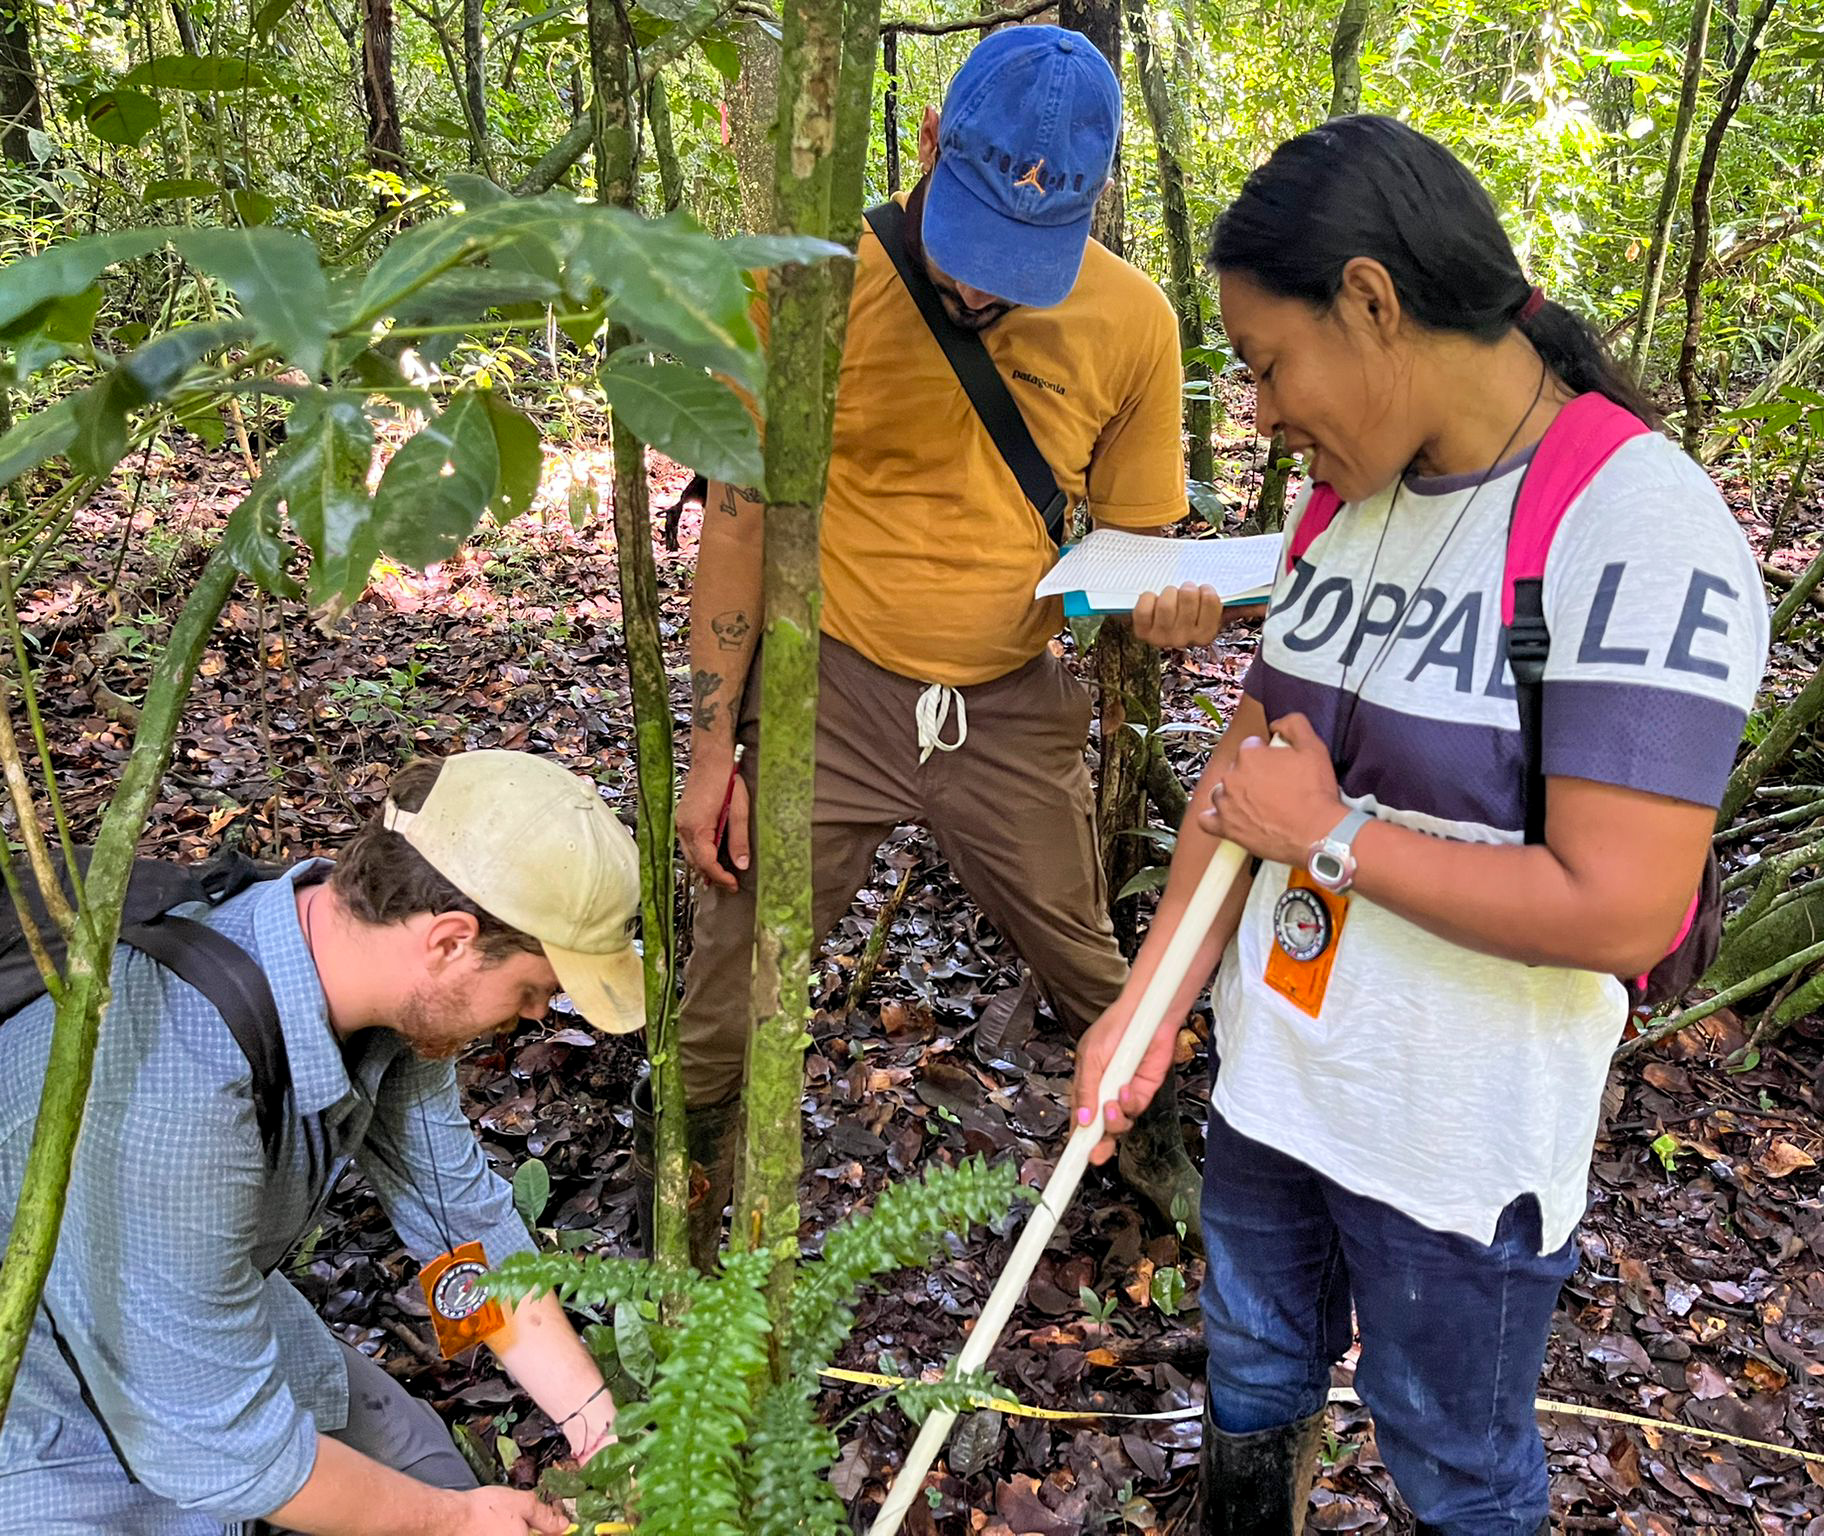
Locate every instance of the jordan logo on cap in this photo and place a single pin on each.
(1031, 178)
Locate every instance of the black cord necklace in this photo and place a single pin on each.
(1353, 696)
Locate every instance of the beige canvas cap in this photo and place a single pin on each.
(535, 846)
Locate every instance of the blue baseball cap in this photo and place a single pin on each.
(1026, 144)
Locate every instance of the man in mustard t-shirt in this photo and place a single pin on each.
(939, 699)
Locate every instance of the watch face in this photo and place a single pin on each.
(1301, 924)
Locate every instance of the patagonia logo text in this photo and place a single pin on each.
(1032, 378)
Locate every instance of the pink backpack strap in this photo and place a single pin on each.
(1581, 439)
(1319, 510)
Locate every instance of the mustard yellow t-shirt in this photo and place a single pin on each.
(930, 550)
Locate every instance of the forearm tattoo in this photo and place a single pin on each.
(706, 709)
(730, 628)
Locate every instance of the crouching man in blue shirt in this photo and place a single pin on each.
(175, 1382)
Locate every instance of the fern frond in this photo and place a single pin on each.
(687, 1468)
(788, 1459)
(582, 1282)
(972, 1389)
(901, 1230)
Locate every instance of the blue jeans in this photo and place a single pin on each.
(1453, 1332)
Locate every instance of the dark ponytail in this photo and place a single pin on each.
(1371, 186)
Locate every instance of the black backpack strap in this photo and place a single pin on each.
(1529, 643)
(975, 371)
(238, 990)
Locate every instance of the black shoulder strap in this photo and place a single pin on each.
(975, 371)
(238, 990)
(1529, 643)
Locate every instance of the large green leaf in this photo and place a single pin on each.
(202, 74)
(143, 377)
(438, 484)
(685, 414)
(675, 287)
(468, 293)
(322, 477)
(752, 251)
(156, 368)
(55, 329)
(276, 277)
(179, 187)
(269, 16)
(418, 254)
(69, 268)
(522, 462)
(121, 117)
(252, 540)
(43, 435)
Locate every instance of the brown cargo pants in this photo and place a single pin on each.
(1011, 810)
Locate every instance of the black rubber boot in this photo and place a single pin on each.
(714, 1133)
(1155, 1165)
(1259, 1484)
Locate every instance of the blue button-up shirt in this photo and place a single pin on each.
(212, 1374)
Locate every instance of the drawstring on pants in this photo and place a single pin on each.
(933, 714)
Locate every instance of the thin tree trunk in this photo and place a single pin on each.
(617, 182)
(186, 28)
(664, 148)
(474, 86)
(21, 108)
(88, 972)
(889, 112)
(1100, 22)
(825, 85)
(1693, 431)
(753, 104)
(1795, 720)
(1696, 46)
(1181, 254)
(385, 143)
(1346, 58)
(1270, 510)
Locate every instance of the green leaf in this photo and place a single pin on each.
(321, 474)
(1666, 1148)
(276, 277)
(531, 1190)
(121, 117)
(179, 187)
(752, 252)
(69, 268)
(43, 435)
(55, 329)
(522, 462)
(785, 1469)
(1168, 1290)
(199, 413)
(724, 56)
(250, 207)
(474, 191)
(684, 413)
(100, 438)
(201, 74)
(438, 484)
(269, 16)
(252, 540)
(420, 253)
(633, 1342)
(468, 293)
(1152, 878)
(674, 286)
(156, 368)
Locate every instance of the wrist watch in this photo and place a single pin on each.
(1331, 861)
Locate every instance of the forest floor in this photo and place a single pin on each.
(1698, 1301)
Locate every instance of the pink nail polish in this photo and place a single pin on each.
(1085, 1115)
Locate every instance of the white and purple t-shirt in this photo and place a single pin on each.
(1441, 1081)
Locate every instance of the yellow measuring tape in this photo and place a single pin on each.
(1347, 1395)
(1337, 1395)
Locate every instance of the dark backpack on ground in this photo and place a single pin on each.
(1581, 439)
(214, 965)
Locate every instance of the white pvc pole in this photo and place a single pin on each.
(1182, 948)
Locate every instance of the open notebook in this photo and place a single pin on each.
(1109, 570)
